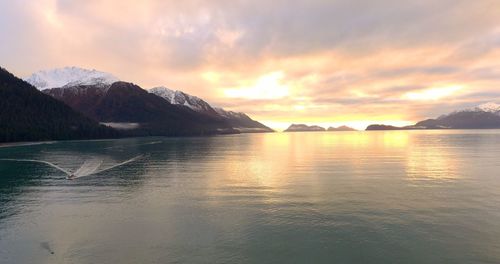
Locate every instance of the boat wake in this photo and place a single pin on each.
(120, 164)
(89, 167)
(41, 161)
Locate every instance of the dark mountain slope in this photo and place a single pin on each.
(29, 115)
(124, 102)
(242, 122)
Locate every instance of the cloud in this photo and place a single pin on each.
(432, 94)
(336, 59)
(432, 70)
(266, 87)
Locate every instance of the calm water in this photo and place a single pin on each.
(337, 197)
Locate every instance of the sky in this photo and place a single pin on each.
(325, 62)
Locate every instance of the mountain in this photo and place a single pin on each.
(26, 114)
(462, 120)
(242, 122)
(341, 128)
(136, 112)
(181, 98)
(238, 121)
(89, 92)
(486, 116)
(69, 76)
(302, 127)
(488, 107)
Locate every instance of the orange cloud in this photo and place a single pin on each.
(304, 62)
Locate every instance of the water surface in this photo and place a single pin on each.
(333, 197)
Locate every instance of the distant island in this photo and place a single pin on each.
(302, 128)
(383, 127)
(306, 128)
(341, 128)
(486, 116)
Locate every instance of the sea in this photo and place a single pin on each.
(429, 196)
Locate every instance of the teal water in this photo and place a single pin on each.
(333, 197)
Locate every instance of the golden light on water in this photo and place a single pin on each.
(278, 153)
(396, 139)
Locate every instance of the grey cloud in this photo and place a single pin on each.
(478, 46)
(434, 70)
(482, 97)
(484, 73)
(146, 37)
(285, 28)
(295, 27)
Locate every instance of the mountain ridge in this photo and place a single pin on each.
(26, 114)
(82, 89)
(485, 116)
(69, 76)
(137, 112)
(240, 121)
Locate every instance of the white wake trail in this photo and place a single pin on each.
(88, 167)
(41, 161)
(120, 164)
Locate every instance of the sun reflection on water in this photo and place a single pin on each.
(280, 159)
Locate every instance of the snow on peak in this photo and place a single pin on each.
(69, 76)
(193, 102)
(489, 107)
(181, 98)
(230, 114)
(165, 93)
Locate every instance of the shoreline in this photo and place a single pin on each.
(28, 143)
(33, 143)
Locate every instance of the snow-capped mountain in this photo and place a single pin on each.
(489, 107)
(485, 116)
(229, 114)
(239, 121)
(86, 90)
(27, 114)
(181, 98)
(68, 77)
(191, 101)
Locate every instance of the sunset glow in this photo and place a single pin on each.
(266, 87)
(306, 62)
(433, 93)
